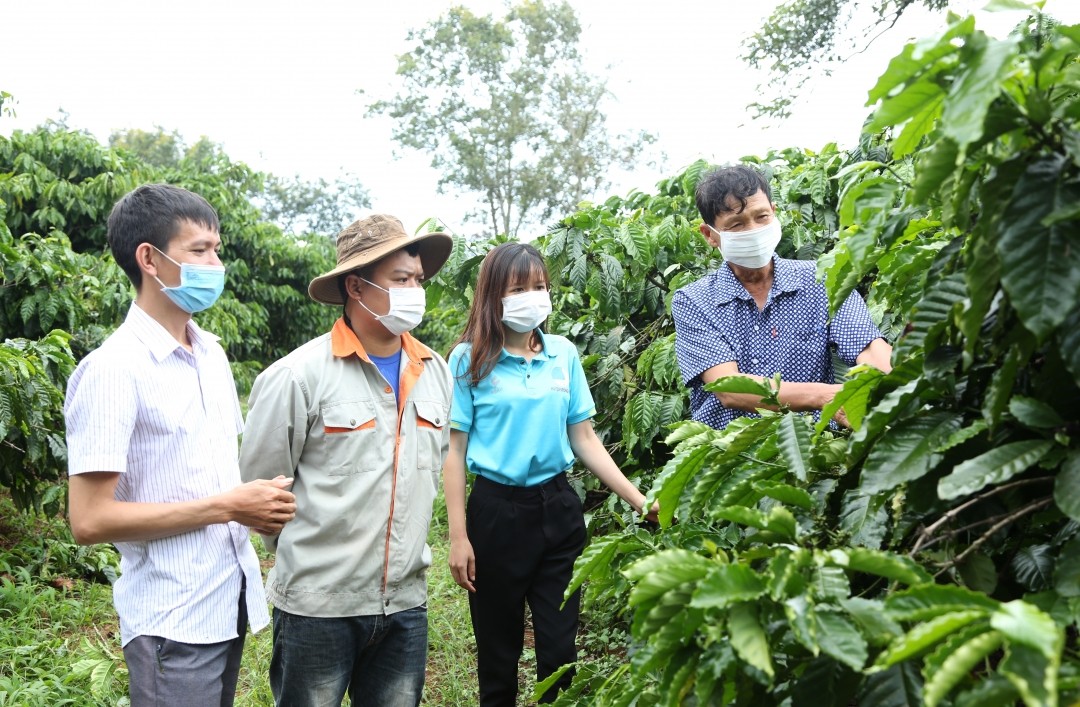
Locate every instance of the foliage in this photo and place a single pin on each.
(805, 38)
(295, 205)
(931, 555)
(507, 112)
(33, 455)
(57, 188)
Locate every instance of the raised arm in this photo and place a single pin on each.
(592, 453)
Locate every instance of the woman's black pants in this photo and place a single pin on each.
(525, 540)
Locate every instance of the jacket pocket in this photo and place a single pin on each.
(431, 420)
(351, 438)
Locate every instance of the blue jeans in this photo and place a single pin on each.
(380, 660)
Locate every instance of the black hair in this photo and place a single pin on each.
(715, 188)
(153, 214)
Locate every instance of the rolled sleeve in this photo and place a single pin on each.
(699, 343)
(853, 329)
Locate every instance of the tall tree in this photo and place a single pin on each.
(507, 111)
(805, 38)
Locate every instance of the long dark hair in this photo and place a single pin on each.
(502, 267)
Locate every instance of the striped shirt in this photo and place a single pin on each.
(168, 420)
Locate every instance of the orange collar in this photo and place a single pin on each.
(343, 343)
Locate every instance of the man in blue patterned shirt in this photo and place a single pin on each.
(759, 314)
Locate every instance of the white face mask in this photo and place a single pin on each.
(750, 249)
(527, 310)
(407, 306)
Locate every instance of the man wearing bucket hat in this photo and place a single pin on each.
(358, 417)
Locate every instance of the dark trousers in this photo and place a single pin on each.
(525, 540)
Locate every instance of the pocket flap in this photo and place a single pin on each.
(431, 412)
(346, 417)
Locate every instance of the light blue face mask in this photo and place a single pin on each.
(199, 288)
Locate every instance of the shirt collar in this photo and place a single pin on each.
(344, 342)
(728, 286)
(546, 353)
(159, 341)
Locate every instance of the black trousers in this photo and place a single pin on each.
(525, 540)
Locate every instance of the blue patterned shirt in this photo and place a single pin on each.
(717, 321)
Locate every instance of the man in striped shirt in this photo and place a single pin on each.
(152, 426)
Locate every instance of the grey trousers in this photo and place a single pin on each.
(165, 673)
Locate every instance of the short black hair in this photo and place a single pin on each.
(714, 189)
(152, 214)
(363, 271)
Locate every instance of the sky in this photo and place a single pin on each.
(284, 86)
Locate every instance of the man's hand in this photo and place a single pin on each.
(463, 563)
(263, 505)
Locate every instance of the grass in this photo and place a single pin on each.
(60, 640)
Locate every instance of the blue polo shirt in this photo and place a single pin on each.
(517, 416)
(717, 321)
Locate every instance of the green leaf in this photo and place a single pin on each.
(1021, 622)
(727, 585)
(925, 635)
(738, 384)
(864, 518)
(1032, 674)
(793, 435)
(825, 683)
(1067, 570)
(748, 638)
(598, 553)
(663, 571)
(898, 685)
(1034, 413)
(993, 467)
(871, 616)
(1069, 343)
(839, 638)
(995, 691)
(854, 398)
(1034, 566)
(785, 493)
(977, 86)
(1040, 263)
(979, 573)
(1067, 486)
(957, 665)
(676, 475)
(829, 584)
(1001, 385)
(934, 600)
(908, 452)
(883, 564)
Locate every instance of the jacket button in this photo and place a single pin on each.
(389, 389)
(352, 423)
(438, 421)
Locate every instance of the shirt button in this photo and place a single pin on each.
(753, 361)
(757, 328)
(389, 389)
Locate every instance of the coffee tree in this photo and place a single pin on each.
(929, 556)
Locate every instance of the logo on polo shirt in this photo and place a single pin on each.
(495, 383)
(558, 374)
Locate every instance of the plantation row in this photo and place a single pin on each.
(931, 555)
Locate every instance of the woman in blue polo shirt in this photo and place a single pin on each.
(521, 413)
